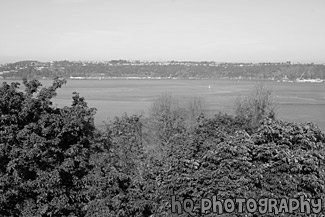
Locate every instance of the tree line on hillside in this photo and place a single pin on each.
(54, 162)
(199, 70)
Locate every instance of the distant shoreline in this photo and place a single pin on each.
(176, 78)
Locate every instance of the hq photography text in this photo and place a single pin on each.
(241, 205)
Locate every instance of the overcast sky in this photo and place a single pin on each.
(213, 30)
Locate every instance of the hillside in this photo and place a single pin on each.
(167, 70)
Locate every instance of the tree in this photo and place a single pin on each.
(44, 151)
(256, 106)
(279, 160)
(120, 183)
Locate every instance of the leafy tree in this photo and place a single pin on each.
(279, 160)
(120, 183)
(44, 151)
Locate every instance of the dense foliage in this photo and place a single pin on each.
(279, 160)
(44, 151)
(54, 162)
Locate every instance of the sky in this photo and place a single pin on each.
(162, 30)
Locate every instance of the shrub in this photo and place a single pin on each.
(195, 106)
(256, 106)
(169, 122)
(167, 107)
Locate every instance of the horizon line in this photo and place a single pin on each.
(172, 60)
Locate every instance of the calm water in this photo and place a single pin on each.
(298, 102)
